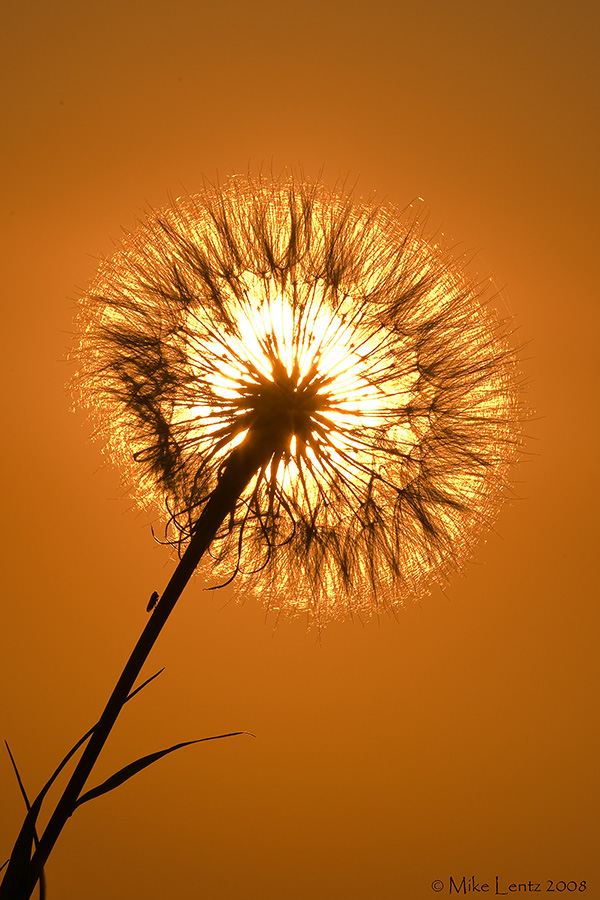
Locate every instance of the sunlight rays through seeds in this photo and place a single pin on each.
(379, 378)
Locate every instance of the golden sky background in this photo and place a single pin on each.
(459, 739)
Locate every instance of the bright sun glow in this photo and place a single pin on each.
(358, 363)
(329, 356)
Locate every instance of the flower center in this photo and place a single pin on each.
(299, 379)
(283, 406)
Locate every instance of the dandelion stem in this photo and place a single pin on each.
(243, 463)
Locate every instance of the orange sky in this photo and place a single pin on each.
(459, 739)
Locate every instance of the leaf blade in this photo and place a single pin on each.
(19, 860)
(143, 762)
(36, 839)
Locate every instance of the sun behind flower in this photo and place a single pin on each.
(379, 382)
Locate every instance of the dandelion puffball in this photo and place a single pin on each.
(368, 365)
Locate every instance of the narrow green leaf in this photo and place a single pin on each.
(21, 855)
(133, 768)
(28, 805)
(82, 740)
(19, 780)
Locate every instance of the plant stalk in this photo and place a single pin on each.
(243, 463)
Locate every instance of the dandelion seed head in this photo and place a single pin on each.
(381, 381)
